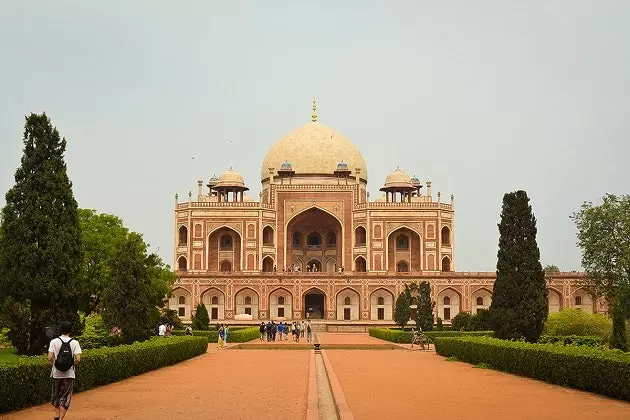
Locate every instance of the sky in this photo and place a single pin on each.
(481, 98)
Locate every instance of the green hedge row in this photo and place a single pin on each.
(26, 382)
(601, 371)
(398, 336)
(235, 334)
(575, 340)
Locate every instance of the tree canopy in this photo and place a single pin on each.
(519, 302)
(41, 241)
(604, 237)
(402, 311)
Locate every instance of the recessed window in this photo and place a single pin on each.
(402, 242)
(215, 300)
(380, 300)
(280, 300)
(479, 301)
(447, 300)
(182, 300)
(226, 242)
(248, 300)
(346, 301)
(297, 239)
(181, 311)
(578, 300)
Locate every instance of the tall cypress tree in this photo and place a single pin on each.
(424, 311)
(519, 302)
(41, 241)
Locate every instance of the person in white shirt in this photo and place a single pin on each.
(63, 379)
(162, 330)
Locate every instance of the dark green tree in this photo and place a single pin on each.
(201, 320)
(462, 322)
(403, 310)
(519, 303)
(41, 243)
(604, 237)
(424, 311)
(550, 268)
(126, 299)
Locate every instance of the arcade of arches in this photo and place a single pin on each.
(315, 242)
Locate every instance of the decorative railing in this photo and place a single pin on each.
(384, 204)
(222, 204)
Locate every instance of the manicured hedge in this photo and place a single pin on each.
(601, 371)
(398, 336)
(235, 334)
(575, 340)
(26, 382)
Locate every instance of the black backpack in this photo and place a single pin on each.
(65, 358)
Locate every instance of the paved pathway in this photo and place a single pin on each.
(366, 385)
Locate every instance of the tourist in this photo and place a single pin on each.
(64, 353)
(309, 332)
(280, 330)
(188, 330)
(297, 332)
(303, 328)
(269, 327)
(162, 330)
(262, 330)
(274, 331)
(226, 329)
(220, 339)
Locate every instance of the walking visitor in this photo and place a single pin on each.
(64, 353)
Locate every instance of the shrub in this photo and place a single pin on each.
(440, 326)
(4, 340)
(461, 321)
(577, 322)
(95, 334)
(26, 381)
(602, 371)
(576, 340)
(480, 321)
(242, 335)
(404, 337)
(201, 321)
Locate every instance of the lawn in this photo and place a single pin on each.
(8, 355)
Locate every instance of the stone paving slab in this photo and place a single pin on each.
(415, 385)
(222, 384)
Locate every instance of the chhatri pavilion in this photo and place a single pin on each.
(315, 246)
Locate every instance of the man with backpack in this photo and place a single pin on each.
(64, 352)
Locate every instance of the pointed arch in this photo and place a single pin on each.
(182, 263)
(280, 303)
(360, 264)
(314, 289)
(554, 297)
(268, 235)
(331, 265)
(404, 243)
(445, 236)
(182, 310)
(218, 248)
(214, 301)
(348, 304)
(449, 310)
(314, 207)
(446, 263)
(183, 236)
(381, 310)
(268, 264)
(360, 236)
(245, 306)
(481, 298)
(581, 299)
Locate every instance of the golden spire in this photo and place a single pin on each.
(314, 115)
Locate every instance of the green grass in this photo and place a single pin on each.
(8, 355)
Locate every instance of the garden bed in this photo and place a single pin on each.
(602, 371)
(26, 381)
(404, 337)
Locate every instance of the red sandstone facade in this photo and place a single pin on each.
(315, 246)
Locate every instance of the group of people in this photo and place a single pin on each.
(164, 329)
(223, 336)
(277, 332)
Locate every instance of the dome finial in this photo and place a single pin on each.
(314, 115)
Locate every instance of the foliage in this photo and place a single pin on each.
(4, 340)
(424, 311)
(242, 335)
(575, 340)
(129, 278)
(461, 321)
(26, 381)
(41, 241)
(101, 235)
(519, 301)
(604, 237)
(480, 321)
(602, 371)
(201, 320)
(577, 322)
(550, 268)
(398, 336)
(402, 312)
(169, 316)
(440, 326)
(96, 334)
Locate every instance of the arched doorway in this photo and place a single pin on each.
(348, 305)
(314, 304)
(314, 236)
(403, 244)
(314, 266)
(280, 304)
(268, 264)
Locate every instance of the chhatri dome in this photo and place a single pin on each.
(230, 178)
(398, 178)
(314, 149)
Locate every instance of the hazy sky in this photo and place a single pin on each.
(481, 97)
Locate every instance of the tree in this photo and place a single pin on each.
(462, 322)
(403, 310)
(126, 300)
(101, 235)
(201, 320)
(41, 242)
(519, 302)
(550, 268)
(604, 237)
(424, 311)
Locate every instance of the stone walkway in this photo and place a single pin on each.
(361, 384)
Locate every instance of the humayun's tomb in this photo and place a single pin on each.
(316, 246)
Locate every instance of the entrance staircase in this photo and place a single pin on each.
(318, 326)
